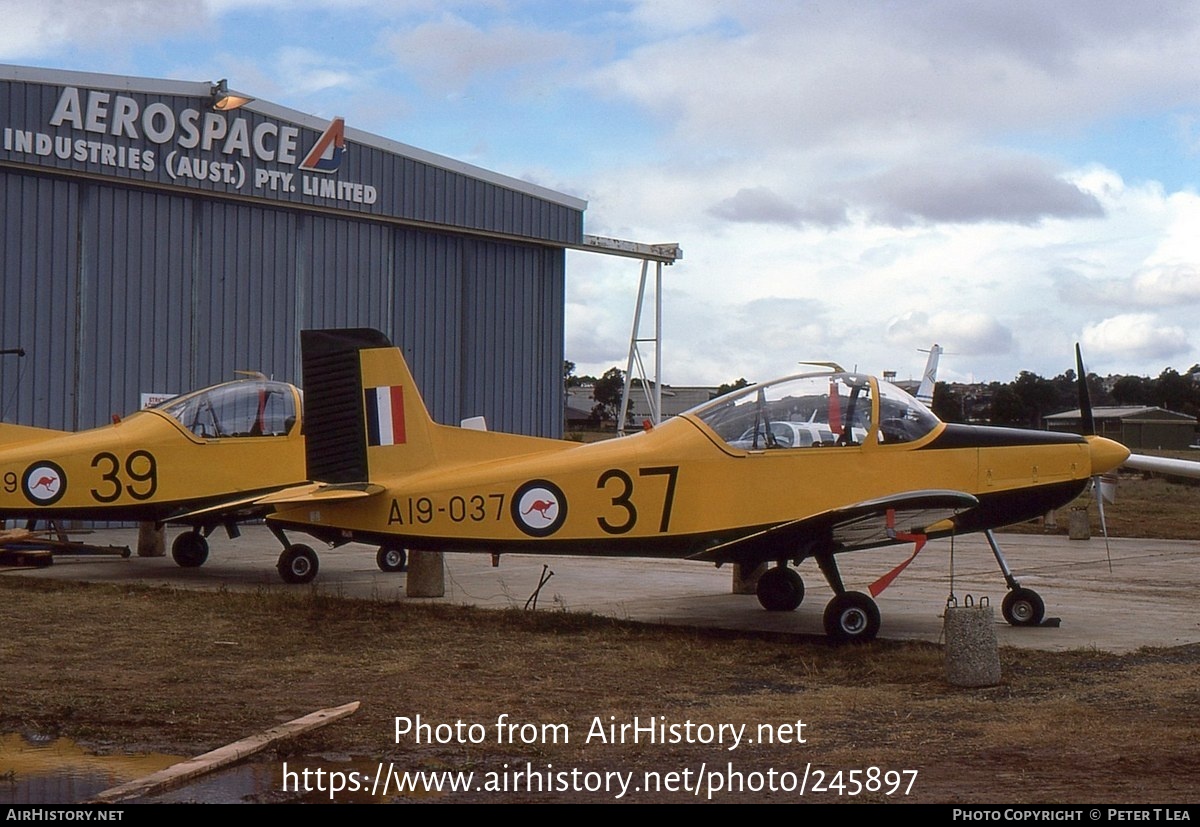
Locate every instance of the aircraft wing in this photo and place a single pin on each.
(867, 524)
(1164, 465)
(259, 504)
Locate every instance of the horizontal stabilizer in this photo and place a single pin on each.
(322, 493)
(867, 524)
(259, 504)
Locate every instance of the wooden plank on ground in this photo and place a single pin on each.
(184, 771)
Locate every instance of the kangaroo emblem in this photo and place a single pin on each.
(49, 483)
(541, 507)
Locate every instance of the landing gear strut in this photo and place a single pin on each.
(1021, 606)
(298, 563)
(850, 617)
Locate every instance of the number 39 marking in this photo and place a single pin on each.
(140, 467)
(623, 494)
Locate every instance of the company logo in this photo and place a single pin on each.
(326, 154)
(539, 508)
(44, 483)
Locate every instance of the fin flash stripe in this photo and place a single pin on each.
(385, 415)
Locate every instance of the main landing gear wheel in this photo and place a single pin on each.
(189, 550)
(851, 617)
(297, 564)
(391, 559)
(1023, 607)
(780, 589)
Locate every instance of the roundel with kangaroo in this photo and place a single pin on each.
(44, 483)
(539, 508)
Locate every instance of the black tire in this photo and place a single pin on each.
(1023, 607)
(189, 550)
(298, 564)
(851, 617)
(780, 589)
(391, 559)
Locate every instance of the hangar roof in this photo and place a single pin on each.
(168, 134)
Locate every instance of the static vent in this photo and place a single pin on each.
(335, 447)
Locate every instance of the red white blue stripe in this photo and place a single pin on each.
(385, 415)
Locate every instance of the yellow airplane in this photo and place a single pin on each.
(207, 455)
(720, 483)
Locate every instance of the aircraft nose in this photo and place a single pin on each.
(1105, 454)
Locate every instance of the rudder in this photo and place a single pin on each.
(359, 399)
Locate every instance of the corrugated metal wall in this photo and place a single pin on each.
(116, 290)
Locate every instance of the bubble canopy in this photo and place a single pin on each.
(817, 410)
(246, 408)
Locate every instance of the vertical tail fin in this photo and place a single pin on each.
(363, 413)
(929, 378)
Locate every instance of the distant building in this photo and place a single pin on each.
(1135, 427)
(675, 400)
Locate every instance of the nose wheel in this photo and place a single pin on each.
(1023, 607)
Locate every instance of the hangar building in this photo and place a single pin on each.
(156, 241)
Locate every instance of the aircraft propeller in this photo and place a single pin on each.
(1087, 422)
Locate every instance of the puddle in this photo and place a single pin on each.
(36, 769)
(261, 782)
(43, 770)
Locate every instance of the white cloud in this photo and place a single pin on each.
(966, 333)
(451, 52)
(906, 75)
(34, 30)
(1166, 285)
(1138, 336)
(760, 205)
(1017, 190)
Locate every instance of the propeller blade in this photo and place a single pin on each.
(1108, 487)
(1086, 420)
(1098, 483)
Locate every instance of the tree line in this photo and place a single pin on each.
(1027, 400)
(1023, 402)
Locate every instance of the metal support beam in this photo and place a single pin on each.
(660, 254)
(653, 397)
(665, 253)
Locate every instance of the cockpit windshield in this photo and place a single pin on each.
(250, 407)
(902, 418)
(816, 410)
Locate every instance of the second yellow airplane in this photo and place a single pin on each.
(813, 465)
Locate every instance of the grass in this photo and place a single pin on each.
(1145, 506)
(180, 671)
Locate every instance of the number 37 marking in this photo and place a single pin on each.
(620, 485)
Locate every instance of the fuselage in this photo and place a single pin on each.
(685, 486)
(152, 465)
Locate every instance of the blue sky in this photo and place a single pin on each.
(848, 181)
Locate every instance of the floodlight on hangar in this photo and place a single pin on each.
(223, 100)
